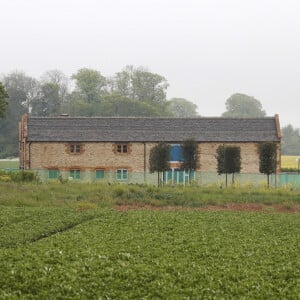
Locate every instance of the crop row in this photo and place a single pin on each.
(159, 255)
(20, 225)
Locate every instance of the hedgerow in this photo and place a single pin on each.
(18, 176)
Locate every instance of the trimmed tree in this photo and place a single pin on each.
(159, 159)
(267, 159)
(228, 160)
(189, 155)
(3, 100)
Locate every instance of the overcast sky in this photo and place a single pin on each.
(206, 49)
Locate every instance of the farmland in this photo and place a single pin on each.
(289, 162)
(70, 242)
(9, 164)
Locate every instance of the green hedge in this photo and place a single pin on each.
(18, 176)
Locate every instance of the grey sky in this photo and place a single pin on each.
(207, 49)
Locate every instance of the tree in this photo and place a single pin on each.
(267, 159)
(189, 155)
(159, 159)
(59, 79)
(290, 144)
(3, 100)
(113, 105)
(122, 82)
(90, 85)
(117, 105)
(140, 84)
(220, 156)
(47, 103)
(243, 106)
(180, 107)
(22, 90)
(228, 160)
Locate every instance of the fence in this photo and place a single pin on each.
(169, 177)
(175, 177)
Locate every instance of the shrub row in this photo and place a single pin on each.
(18, 176)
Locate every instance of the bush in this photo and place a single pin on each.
(18, 176)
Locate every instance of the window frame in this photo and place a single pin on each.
(122, 174)
(97, 171)
(76, 173)
(75, 148)
(51, 172)
(122, 148)
(176, 150)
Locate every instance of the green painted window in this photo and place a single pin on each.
(122, 174)
(99, 174)
(53, 174)
(75, 174)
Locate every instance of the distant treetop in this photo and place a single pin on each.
(243, 106)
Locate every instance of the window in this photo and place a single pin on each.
(75, 174)
(122, 148)
(176, 153)
(99, 174)
(122, 174)
(53, 174)
(75, 148)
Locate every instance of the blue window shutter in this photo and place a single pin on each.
(176, 153)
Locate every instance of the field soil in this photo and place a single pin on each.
(248, 207)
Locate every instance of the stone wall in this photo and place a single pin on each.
(249, 156)
(46, 155)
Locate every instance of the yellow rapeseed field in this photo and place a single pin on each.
(289, 161)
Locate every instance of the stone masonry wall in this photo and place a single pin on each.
(46, 155)
(249, 156)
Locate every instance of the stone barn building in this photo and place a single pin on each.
(76, 146)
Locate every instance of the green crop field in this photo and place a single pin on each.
(57, 248)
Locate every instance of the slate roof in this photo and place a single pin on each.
(119, 129)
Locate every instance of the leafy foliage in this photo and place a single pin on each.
(180, 107)
(267, 158)
(159, 158)
(243, 106)
(228, 160)
(189, 154)
(18, 176)
(22, 90)
(232, 159)
(3, 100)
(90, 84)
(47, 103)
(220, 156)
(140, 84)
